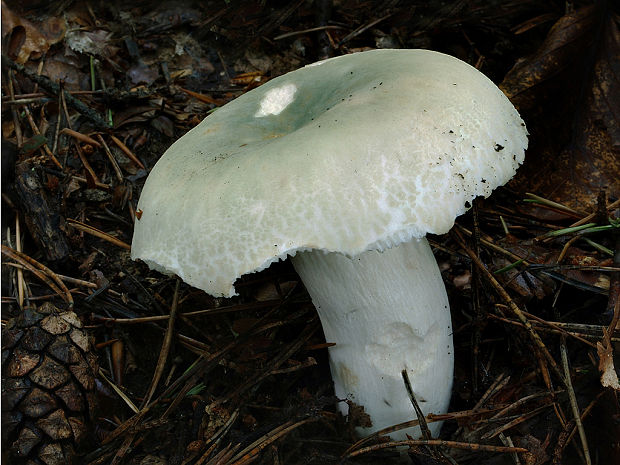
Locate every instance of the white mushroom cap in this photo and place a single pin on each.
(354, 153)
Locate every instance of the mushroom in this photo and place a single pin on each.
(344, 165)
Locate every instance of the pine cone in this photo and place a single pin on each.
(48, 381)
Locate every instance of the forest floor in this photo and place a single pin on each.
(94, 92)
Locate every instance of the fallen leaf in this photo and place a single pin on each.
(25, 39)
(8, 129)
(92, 43)
(609, 377)
(569, 96)
(164, 125)
(59, 66)
(141, 73)
(537, 449)
(269, 292)
(33, 144)
(555, 54)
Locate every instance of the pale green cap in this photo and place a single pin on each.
(358, 152)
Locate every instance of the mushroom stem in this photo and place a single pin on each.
(386, 311)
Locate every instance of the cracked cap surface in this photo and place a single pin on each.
(354, 153)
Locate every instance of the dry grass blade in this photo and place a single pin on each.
(305, 31)
(557, 328)
(507, 441)
(165, 348)
(16, 125)
(20, 275)
(284, 355)
(81, 137)
(36, 131)
(42, 272)
(573, 403)
(186, 381)
(222, 456)
(553, 329)
(98, 185)
(586, 219)
(206, 312)
(473, 447)
(523, 401)
(430, 418)
(56, 89)
(122, 450)
(278, 18)
(78, 282)
(120, 393)
(206, 362)
(310, 361)
(203, 98)
(96, 232)
(515, 422)
(553, 205)
(250, 453)
(362, 29)
(197, 347)
(513, 307)
(117, 169)
(219, 434)
(571, 428)
(492, 246)
(386, 431)
(126, 426)
(126, 150)
(498, 384)
(92, 178)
